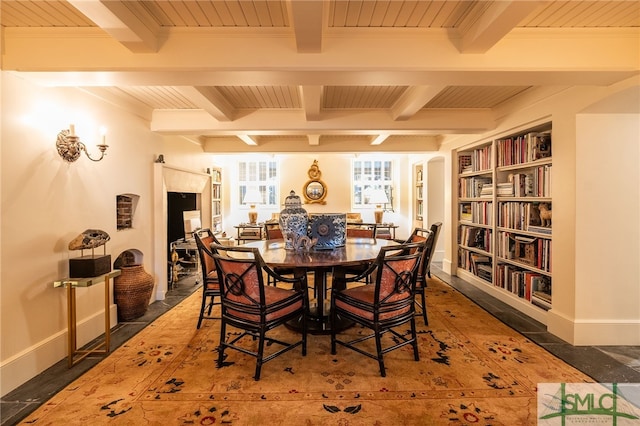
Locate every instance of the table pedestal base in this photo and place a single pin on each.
(319, 325)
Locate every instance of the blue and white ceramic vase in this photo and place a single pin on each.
(294, 221)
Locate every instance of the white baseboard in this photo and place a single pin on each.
(22, 367)
(447, 266)
(594, 332)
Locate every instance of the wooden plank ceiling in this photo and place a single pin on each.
(316, 28)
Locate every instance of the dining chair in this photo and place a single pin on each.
(255, 308)
(355, 230)
(383, 306)
(361, 230)
(435, 229)
(210, 285)
(426, 236)
(272, 231)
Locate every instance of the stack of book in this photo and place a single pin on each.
(464, 163)
(481, 266)
(504, 189)
(487, 190)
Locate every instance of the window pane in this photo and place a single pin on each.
(261, 175)
(368, 175)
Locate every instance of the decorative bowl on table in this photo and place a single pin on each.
(329, 229)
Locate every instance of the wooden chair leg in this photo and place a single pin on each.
(221, 347)
(202, 308)
(424, 307)
(414, 336)
(383, 373)
(260, 355)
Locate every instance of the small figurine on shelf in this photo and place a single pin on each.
(545, 214)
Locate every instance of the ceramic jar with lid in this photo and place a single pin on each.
(294, 221)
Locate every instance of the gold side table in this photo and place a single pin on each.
(71, 284)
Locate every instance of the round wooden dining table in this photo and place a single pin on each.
(356, 251)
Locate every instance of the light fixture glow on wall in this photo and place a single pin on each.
(378, 197)
(252, 197)
(69, 145)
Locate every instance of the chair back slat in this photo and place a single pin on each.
(361, 231)
(273, 231)
(204, 238)
(241, 282)
(397, 274)
(209, 265)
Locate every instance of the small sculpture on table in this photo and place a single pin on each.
(92, 265)
(301, 242)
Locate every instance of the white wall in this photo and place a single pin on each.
(608, 228)
(435, 201)
(46, 202)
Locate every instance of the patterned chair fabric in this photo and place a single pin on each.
(273, 231)
(255, 308)
(354, 230)
(384, 305)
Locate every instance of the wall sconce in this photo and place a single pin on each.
(252, 197)
(378, 197)
(69, 146)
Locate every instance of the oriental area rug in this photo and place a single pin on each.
(473, 369)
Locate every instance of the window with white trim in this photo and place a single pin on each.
(368, 175)
(260, 175)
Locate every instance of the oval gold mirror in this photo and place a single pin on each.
(314, 190)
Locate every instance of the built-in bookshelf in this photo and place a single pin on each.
(216, 200)
(504, 218)
(418, 179)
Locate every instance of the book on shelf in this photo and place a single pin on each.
(465, 212)
(539, 229)
(524, 239)
(468, 235)
(524, 148)
(541, 295)
(250, 233)
(504, 189)
(464, 163)
(484, 271)
(522, 184)
(541, 303)
(542, 145)
(481, 265)
(487, 190)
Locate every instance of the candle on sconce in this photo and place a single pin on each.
(72, 130)
(103, 132)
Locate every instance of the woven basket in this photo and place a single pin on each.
(132, 292)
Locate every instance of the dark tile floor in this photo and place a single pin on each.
(605, 364)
